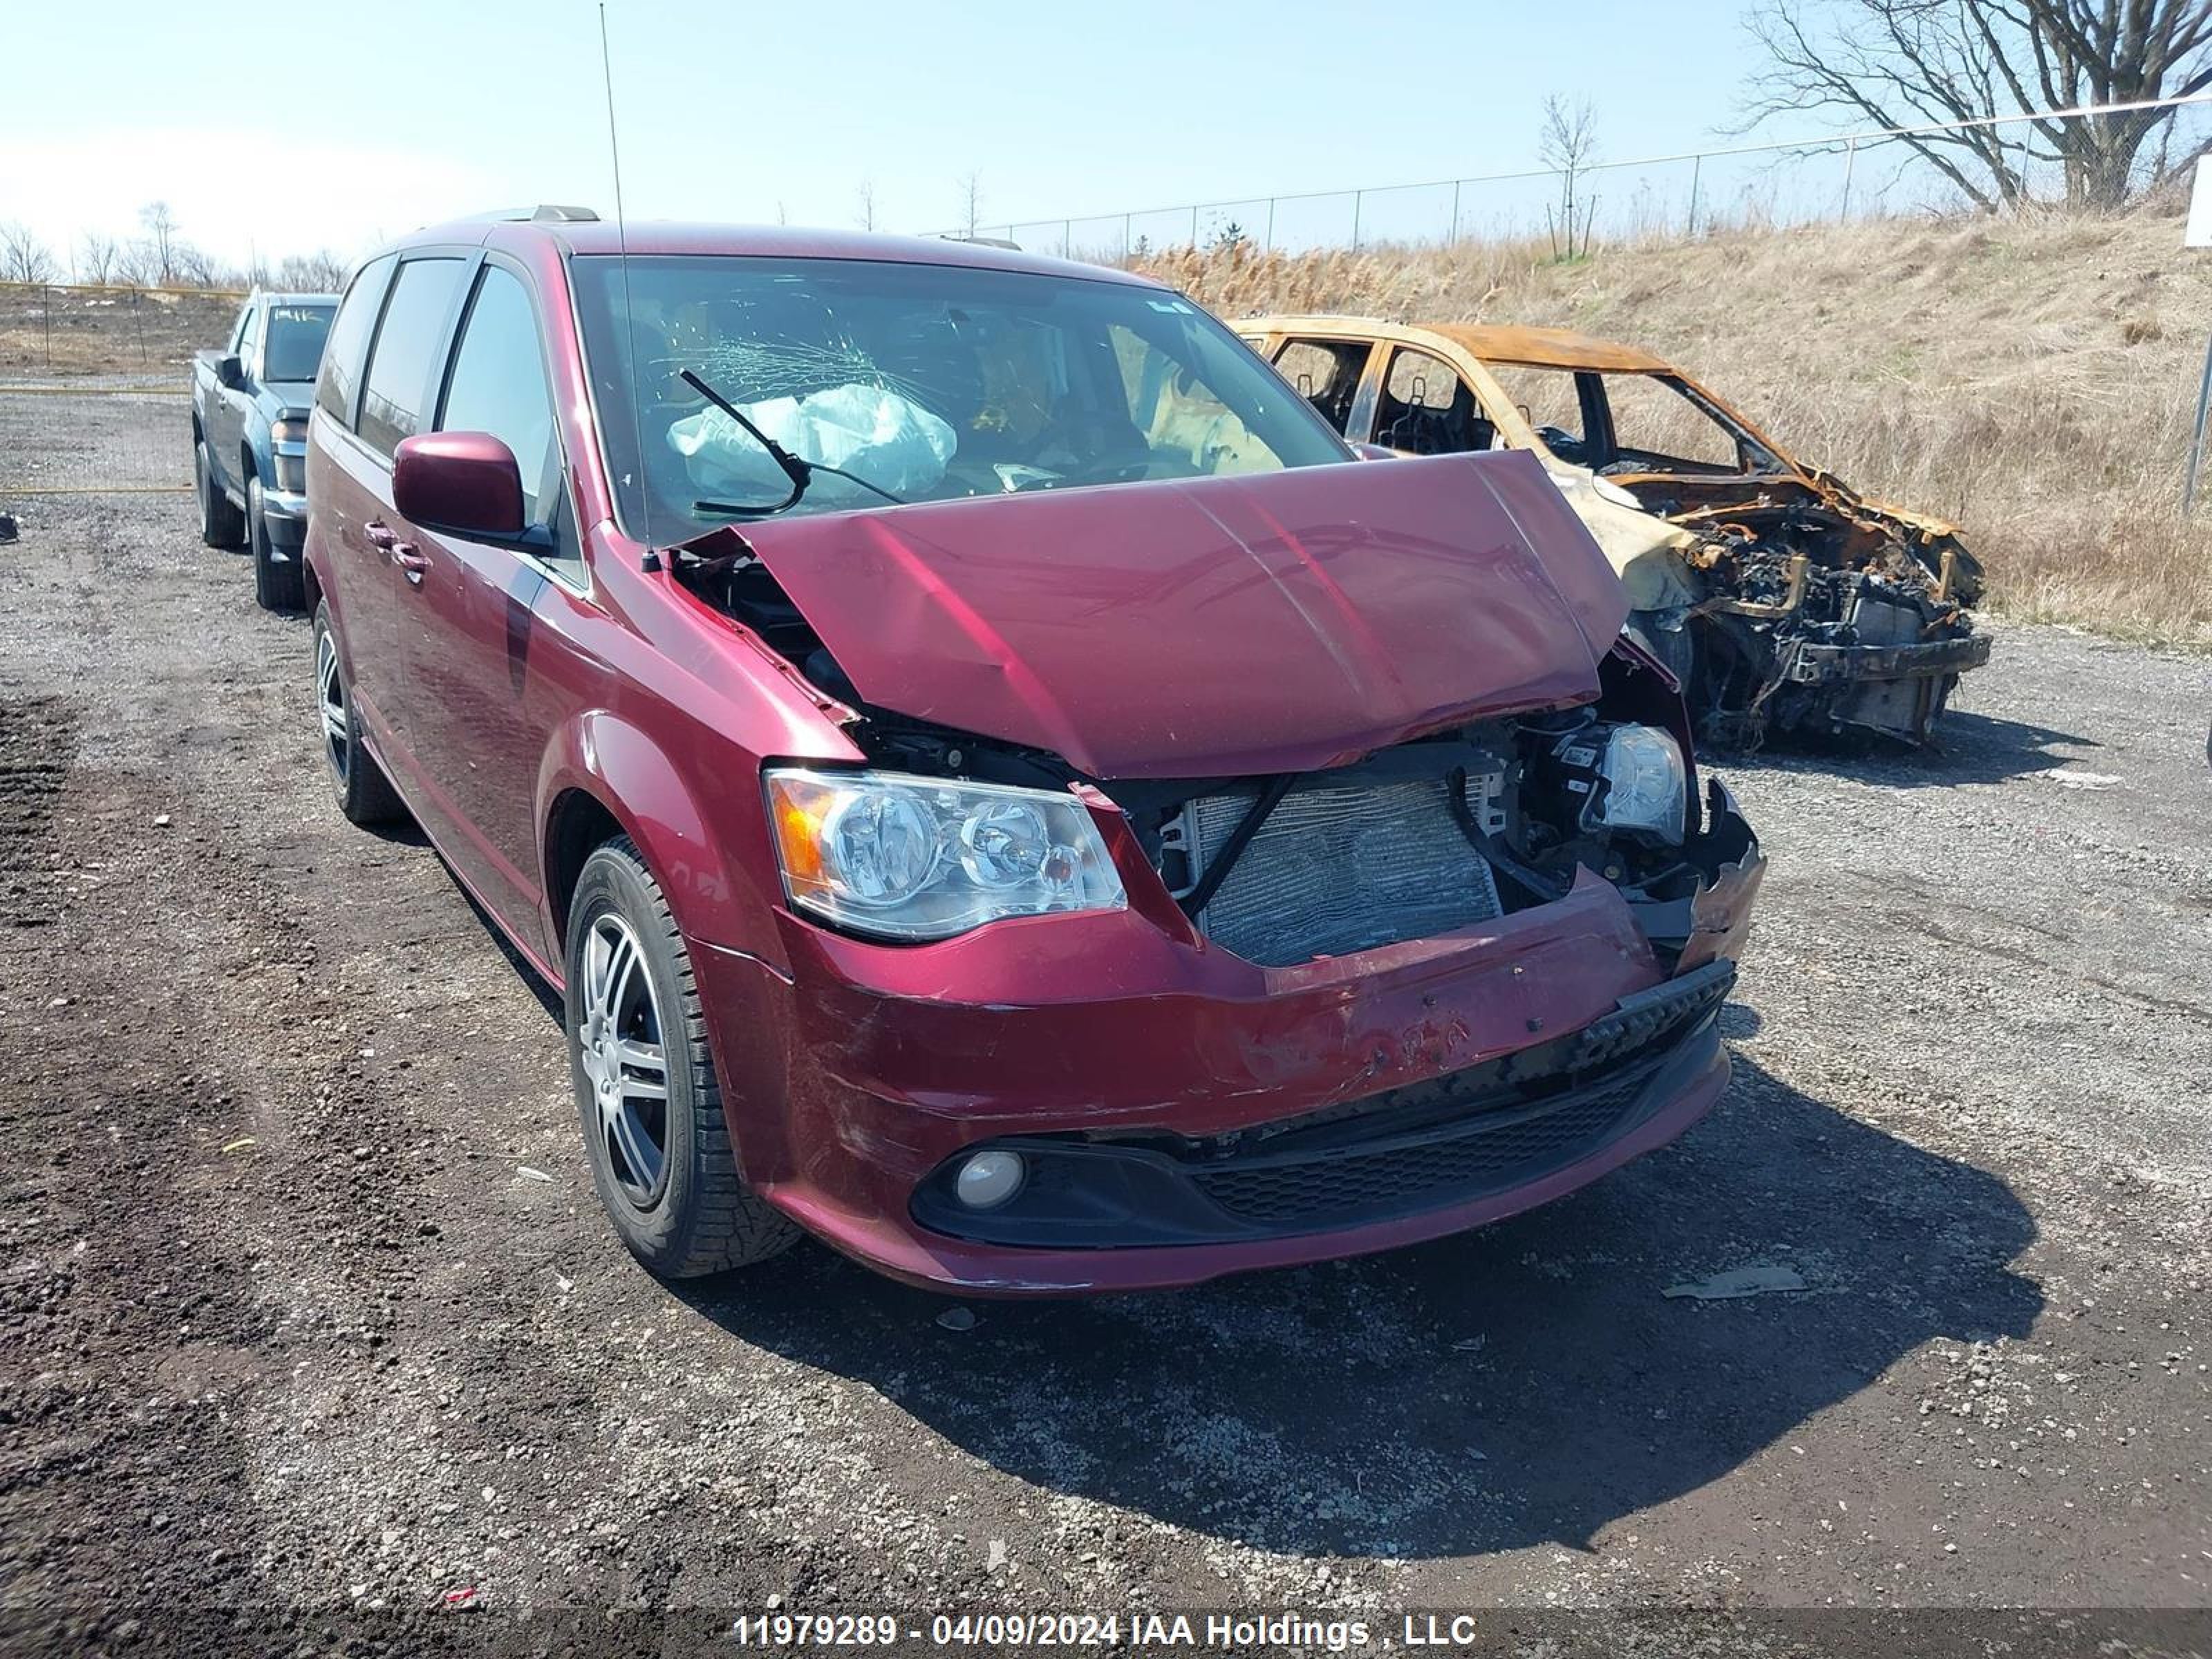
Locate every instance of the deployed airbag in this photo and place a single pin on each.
(869, 431)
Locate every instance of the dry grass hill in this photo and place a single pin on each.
(2032, 378)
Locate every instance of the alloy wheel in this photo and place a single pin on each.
(330, 695)
(620, 1048)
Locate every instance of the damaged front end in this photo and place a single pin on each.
(1817, 613)
(1428, 923)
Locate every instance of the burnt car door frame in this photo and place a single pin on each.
(1360, 421)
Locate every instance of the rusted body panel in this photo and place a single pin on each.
(1780, 596)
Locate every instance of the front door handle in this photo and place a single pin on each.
(405, 555)
(379, 535)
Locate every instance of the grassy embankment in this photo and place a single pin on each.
(2034, 380)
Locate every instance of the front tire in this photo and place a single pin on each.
(221, 524)
(646, 1094)
(276, 586)
(364, 794)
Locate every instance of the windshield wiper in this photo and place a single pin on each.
(796, 468)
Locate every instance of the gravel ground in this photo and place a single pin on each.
(305, 1300)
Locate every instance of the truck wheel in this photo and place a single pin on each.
(645, 1089)
(276, 586)
(364, 794)
(221, 524)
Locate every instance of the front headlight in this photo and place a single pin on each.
(1645, 790)
(913, 857)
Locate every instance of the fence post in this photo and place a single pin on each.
(1455, 229)
(1850, 162)
(1126, 244)
(1697, 171)
(1268, 246)
(1066, 236)
(1356, 196)
(1194, 226)
(2197, 441)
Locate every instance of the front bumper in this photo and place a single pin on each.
(854, 1077)
(1894, 691)
(285, 514)
(1471, 1136)
(1828, 665)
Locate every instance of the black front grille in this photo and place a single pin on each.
(1496, 1151)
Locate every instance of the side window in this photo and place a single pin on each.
(1427, 410)
(1326, 373)
(237, 346)
(498, 386)
(349, 341)
(1550, 400)
(410, 341)
(249, 345)
(1656, 425)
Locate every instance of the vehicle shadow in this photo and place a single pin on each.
(1527, 1384)
(1967, 748)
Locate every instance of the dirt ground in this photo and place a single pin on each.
(305, 1303)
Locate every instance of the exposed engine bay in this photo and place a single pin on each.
(1821, 616)
(1417, 839)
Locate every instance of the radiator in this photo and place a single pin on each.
(1334, 871)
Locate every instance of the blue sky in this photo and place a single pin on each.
(294, 126)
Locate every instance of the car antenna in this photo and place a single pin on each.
(651, 561)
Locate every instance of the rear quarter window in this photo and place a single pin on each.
(410, 342)
(349, 341)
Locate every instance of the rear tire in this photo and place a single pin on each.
(221, 524)
(647, 1095)
(364, 794)
(276, 586)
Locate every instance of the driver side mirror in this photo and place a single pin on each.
(230, 373)
(460, 483)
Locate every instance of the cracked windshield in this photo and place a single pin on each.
(918, 382)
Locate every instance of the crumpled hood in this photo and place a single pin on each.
(1230, 626)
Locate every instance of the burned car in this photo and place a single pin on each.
(997, 784)
(1780, 599)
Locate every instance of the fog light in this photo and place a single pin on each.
(989, 1178)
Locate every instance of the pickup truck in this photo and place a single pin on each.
(250, 403)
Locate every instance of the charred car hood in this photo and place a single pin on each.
(1271, 623)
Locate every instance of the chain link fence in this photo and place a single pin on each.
(91, 328)
(1869, 174)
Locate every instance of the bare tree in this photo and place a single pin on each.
(1567, 144)
(161, 234)
(137, 264)
(23, 257)
(95, 259)
(190, 268)
(320, 272)
(866, 217)
(971, 203)
(1920, 62)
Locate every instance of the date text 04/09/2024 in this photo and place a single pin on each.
(1103, 1630)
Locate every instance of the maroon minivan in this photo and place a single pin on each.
(997, 783)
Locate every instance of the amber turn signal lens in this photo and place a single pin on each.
(799, 826)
